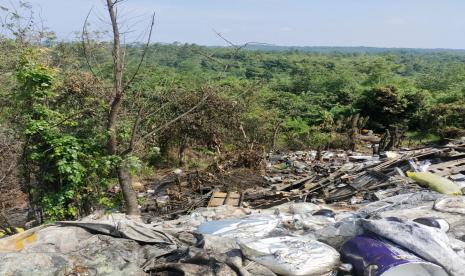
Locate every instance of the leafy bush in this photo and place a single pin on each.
(61, 163)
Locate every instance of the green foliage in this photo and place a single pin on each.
(387, 106)
(288, 98)
(318, 139)
(448, 115)
(154, 157)
(134, 164)
(60, 162)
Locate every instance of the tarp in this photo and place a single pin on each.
(120, 226)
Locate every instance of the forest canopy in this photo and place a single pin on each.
(58, 98)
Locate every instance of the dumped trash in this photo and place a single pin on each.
(451, 205)
(371, 255)
(122, 227)
(436, 183)
(344, 214)
(253, 226)
(427, 242)
(434, 222)
(70, 250)
(292, 255)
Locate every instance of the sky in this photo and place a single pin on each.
(375, 23)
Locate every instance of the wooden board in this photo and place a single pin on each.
(220, 198)
(448, 168)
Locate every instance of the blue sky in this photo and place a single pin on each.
(379, 23)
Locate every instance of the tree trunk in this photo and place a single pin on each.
(124, 177)
(182, 148)
(117, 80)
(318, 153)
(129, 195)
(275, 137)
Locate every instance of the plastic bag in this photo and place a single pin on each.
(427, 242)
(292, 255)
(436, 183)
(385, 258)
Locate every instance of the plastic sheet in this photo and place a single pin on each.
(120, 226)
(451, 205)
(71, 250)
(19, 241)
(427, 242)
(292, 255)
(371, 255)
(251, 226)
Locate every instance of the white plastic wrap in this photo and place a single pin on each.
(251, 226)
(292, 255)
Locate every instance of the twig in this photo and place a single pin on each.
(177, 118)
(143, 53)
(84, 47)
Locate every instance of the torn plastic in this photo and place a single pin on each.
(421, 166)
(403, 201)
(296, 208)
(371, 255)
(292, 255)
(307, 222)
(338, 233)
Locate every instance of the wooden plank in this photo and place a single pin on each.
(233, 199)
(448, 168)
(217, 199)
(220, 198)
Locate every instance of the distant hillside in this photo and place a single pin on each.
(358, 50)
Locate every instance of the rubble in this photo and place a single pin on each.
(348, 213)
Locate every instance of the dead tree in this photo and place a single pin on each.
(124, 176)
(120, 85)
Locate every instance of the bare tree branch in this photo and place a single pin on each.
(124, 177)
(156, 110)
(143, 53)
(236, 47)
(134, 130)
(84, 47)
(154, 131)
(209, 56)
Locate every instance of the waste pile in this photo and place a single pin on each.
(401, 213)
(352, 178)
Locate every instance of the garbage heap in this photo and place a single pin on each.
(401, 214)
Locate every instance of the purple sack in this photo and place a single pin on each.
(371, 255)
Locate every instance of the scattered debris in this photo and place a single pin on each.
(301, 216)
(385, 258)
(288, 255)
(230, 198)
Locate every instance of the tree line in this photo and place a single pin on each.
(78, 117)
